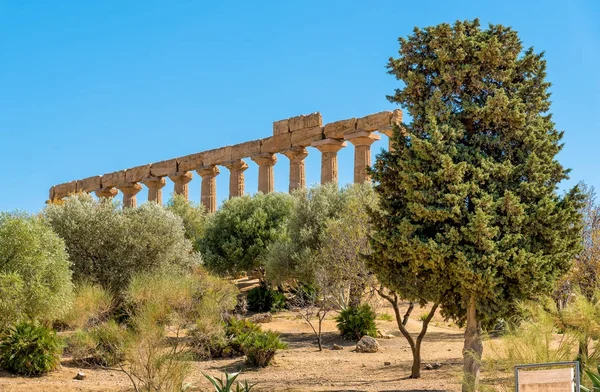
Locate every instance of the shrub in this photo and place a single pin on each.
(101, 345)
(35, 279)
(260, 348)
(108, 245)
(91, 306)
(262, 299)
(237, 236)
(192, 215)
(237, 331)
(356, 322)
(227, 384)
(30, 349)
(304, 295)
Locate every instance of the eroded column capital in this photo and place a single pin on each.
(130, 189)
(106, 192)
(362, 138)
(296, 153)
(265, 159)
(329, 145)
(208, 171)
(236, 165)
(183, 177)
(154, 182)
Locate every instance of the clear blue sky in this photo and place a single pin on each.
(90, 87)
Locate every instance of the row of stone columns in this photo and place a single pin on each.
(329, 149)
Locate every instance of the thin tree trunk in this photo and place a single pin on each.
(473, 349)
(411, 306)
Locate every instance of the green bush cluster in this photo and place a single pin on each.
(262, 299)
(356, 322)
(29, 349)
(260, 348)
(101, 345)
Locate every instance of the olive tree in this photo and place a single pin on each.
(35, 275)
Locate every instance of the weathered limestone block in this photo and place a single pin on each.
(336, 130)
(65, 189)
(130, 190)
(181, 180)
(51, 194)
(362, 153)
(373, 122)
(135, 174)
(305, 121)
(163, 168)
(89, 184)
(155, 185)
(396, 120)
(275, 144)
(217, 156)
(190, 162)
(329, 166)
(209, 186)
(108, 193)
(245, 150)
(281, 127)
(236, 167)
(113, 179)
(296, 156)
(266, 177)
(304, 137)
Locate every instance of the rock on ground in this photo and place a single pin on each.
(367, 344)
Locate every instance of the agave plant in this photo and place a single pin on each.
(595, 377)
(227, 385)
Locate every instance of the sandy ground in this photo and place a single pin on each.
(301, 367)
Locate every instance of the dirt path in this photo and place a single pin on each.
(301, 367)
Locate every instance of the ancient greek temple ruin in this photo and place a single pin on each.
(292, 138)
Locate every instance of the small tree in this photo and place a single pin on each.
(238, 235)
(108, 245)
(35, 278)
(468, 198)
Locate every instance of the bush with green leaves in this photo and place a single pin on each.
(237, 331)
(91, 305)
(101, 345)
(192, 215)
(261, 347)
(263, 299)
(108, 245)
(35, 275)
(29, 349)
(356, 322)
(238, 235)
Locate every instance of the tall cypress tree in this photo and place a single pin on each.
(469, 195)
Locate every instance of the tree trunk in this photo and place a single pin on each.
(411, 306)
(473, 349)
(415, 370)
(355, 295)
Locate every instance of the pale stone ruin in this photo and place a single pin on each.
(291, 137)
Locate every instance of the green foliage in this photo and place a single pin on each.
(385, 317)
(295, 256)
(237, 331)
(356, 322)
(261, 347)
(29, 349)
(594, 378)
(262, 299)
(107, 245)
(91, 305)
(193, 216)
(468, 201)
(100, 345)
(227, 384)
(239, 233)
(35, 278)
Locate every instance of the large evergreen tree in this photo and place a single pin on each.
(469, 196)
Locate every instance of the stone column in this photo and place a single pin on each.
(155, 185)
(181, 180)
(297, 171)
(109, 193)
(266, 177)
(389, 133)
(129, 191)
(362, 153)
(329, 166)
(237, 167)
(209, 186)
